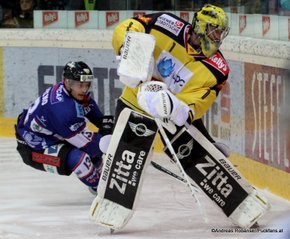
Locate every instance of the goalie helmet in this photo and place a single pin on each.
(78, 71)
(211, 25)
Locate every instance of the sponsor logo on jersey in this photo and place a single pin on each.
(76, 126)
(177, 80)
(170, 24)
(81, 18)
(44, 97)
(46, 159)
(218, 62)
(94, 177)
(112, 18)
(33, 140)
(56, 94)
(49, 17)
(165, 67)
(172, 71)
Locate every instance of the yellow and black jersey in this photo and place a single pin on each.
(190, 76)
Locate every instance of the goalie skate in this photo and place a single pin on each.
(127, 157)
(215, 175)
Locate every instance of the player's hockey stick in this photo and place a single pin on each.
(174, 156)
(172, 174)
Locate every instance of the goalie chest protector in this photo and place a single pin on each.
(126, 157)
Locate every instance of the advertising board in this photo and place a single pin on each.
(29, 71)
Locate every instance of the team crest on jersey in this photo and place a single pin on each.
(172, 71)
(170, 24)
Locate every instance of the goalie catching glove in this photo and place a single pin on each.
(156, 100)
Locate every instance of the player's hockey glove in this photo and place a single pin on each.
(106, 125)
(156, 100)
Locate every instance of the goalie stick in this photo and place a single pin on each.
(157, 164)
(176, 160)
(172, 174)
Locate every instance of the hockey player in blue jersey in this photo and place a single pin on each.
(52, 134)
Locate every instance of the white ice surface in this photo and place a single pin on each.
(35, 204)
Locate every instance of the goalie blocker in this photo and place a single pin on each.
(127, 157)
(215, 175)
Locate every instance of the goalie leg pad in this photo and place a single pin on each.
(127, 157)
(215, 175)
(250, 210)
(186, 148)
(109, 214)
